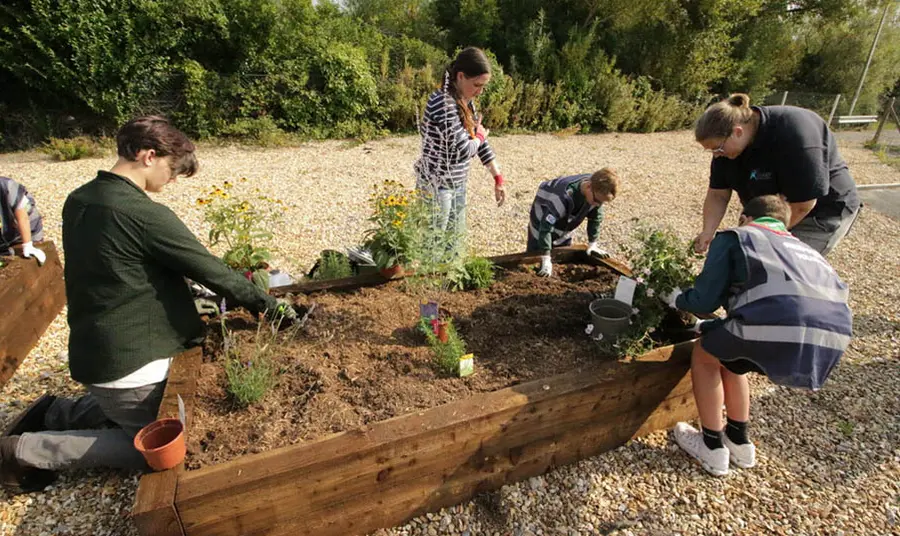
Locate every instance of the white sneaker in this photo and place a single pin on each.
(691, 441)
(743, 456)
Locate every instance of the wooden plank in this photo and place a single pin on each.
(154, 512)
(571, 254)
(356, 482)
(32, 297)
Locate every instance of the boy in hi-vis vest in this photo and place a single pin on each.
(787, 318)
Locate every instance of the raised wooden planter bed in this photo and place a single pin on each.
(356, 482)
(32, 296)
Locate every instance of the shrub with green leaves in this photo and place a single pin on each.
(660, 262)
(474, 273)
(66, 149)
(332, 265)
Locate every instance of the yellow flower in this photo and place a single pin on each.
(227, 185)
(243, 179)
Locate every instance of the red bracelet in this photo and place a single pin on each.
(480, 136)
(498, 180)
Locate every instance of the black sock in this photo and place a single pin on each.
(737, 432)
(712, 438)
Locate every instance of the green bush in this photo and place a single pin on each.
(474, 273)
(260, 130)
(63, 150)
(332, 265)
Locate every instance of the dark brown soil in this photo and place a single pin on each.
(359, 359)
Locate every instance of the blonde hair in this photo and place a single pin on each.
(720, 118)
(605, 181)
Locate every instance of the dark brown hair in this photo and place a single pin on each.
(768, 206)
(605, 181)
(720, 118)
(157, 133)
(471, 62)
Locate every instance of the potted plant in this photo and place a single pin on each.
(243, 227)
(390, 238)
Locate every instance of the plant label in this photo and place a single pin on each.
(625, 289)
(428, 309)
(466, 365)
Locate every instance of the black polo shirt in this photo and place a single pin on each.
(794, 153)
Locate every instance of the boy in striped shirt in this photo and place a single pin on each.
(20, 221)
(559, 208)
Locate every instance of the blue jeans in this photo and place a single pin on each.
(449, 216)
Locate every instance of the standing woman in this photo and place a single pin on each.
(782, 150)
(452, 135)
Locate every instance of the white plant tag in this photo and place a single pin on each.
(466, 365)
(180, 409)
(625, 289)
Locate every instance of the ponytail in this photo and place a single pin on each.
(720, 118)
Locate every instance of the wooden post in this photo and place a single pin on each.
(31, 297)
(784, 98)
(834, 108)
(894, 113)
(884, 115)
(154, 512)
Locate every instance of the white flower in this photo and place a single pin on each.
(640, 280)
(589, 329)
(599, 337)
(651, 330)
(635, 310)
(646, 271)
(650, 292)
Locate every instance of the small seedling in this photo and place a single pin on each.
(846, 428)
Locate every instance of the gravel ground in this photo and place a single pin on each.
(829, 461)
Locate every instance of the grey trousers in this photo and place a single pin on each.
(823, 236)
(96, 430)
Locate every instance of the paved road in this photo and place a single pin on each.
(889, 135)
(885, 200)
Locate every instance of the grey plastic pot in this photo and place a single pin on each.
(610, 316)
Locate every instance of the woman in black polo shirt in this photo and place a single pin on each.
(762, 150)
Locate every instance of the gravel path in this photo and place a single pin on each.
(830, 461)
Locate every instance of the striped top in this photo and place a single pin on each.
(14, 196)
(558, 209)
(447, 149)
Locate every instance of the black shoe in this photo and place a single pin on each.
(15, 477)
(32, 419)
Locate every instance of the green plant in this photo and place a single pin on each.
(846, 428)
(445, 354)
(660, 263)
(242, 226)
(473, 273)
(249, 378)
(395, 220)
(64, 150)
(332, 265)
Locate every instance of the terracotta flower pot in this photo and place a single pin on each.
(162, 443)
(392, 272)
(442, 334)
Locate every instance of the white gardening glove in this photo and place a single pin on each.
(593, 250)
(670, 297)
(28, 250)
(546, 269)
